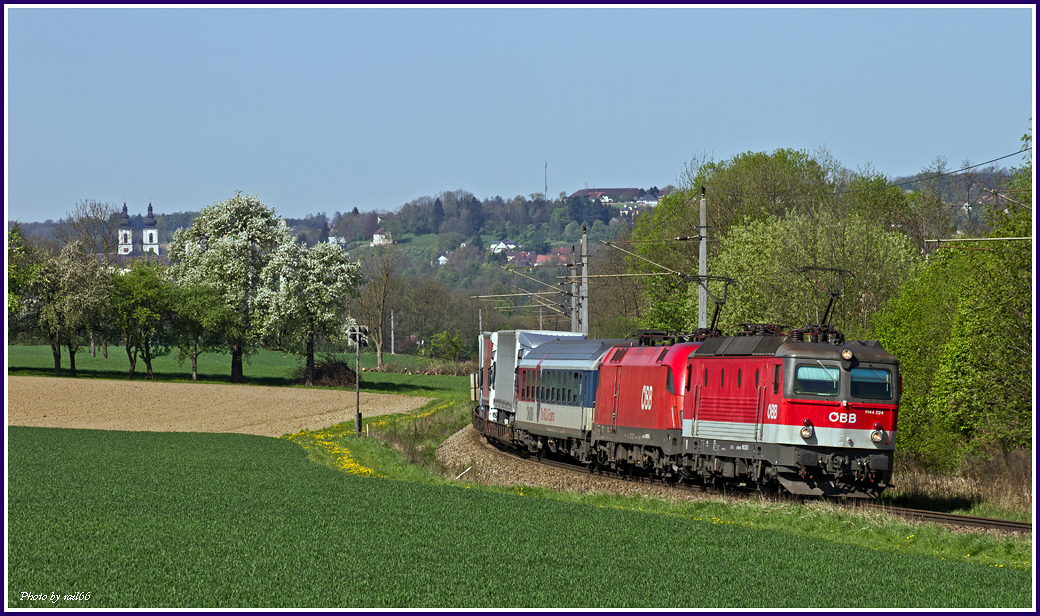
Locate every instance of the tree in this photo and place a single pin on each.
(426, 308)
(446, 346)
(94, 225)
(142, 308)
(381, 269)
(614, 309)
(66, 290)
(228, 246)
(762, 254)
(198, 315)
(22, 267)
(305, 296)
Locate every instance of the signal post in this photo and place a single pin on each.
(359, 338)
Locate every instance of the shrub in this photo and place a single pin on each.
(329, 371)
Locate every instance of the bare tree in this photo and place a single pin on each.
(614, 310)
(94, 224)
(381, 270)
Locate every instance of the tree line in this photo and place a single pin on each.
(237, 280)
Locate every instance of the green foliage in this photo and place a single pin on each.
(761, 255)
(199, 314)
(447, 346)
(21, 267)
(64, 296)
(915, 327)
(963, 332)
(142, 308)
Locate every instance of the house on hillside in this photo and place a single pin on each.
(382, 237)
(629, 213)
(553, 258)
(519, 257)
(505, 245)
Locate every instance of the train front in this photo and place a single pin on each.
(835, 429)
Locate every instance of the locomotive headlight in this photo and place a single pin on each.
(877, 435)
(846, 354)
(807, 430)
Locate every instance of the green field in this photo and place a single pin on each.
(229, 520)
(262, 368)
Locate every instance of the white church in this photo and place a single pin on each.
(150, 241)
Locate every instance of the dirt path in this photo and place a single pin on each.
(187, 407)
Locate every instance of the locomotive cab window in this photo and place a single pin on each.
(873, 383)
(816, 380)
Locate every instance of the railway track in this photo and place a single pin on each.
(933, 517)
(952, 519)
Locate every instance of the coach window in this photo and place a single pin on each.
(722, 379)
(739, 374)
(541, 386)
(705, 376)
(776, 378)
(756, 378)
(577, 389)
(689, 371)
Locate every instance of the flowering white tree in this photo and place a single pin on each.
(304, 295)
(227, 247)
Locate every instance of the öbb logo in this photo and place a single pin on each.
(648, 397)
(842, 417)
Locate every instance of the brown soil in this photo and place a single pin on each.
(187, 407)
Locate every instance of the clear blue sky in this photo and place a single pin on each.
(329, 109)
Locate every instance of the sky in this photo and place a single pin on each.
(326, 109)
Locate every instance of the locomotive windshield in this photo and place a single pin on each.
(818, 380)
(875, 383)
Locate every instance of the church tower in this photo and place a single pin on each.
(151, 234)
(126, 236)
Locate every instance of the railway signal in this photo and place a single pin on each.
(358, 336)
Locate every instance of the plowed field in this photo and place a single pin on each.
(187, 407)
